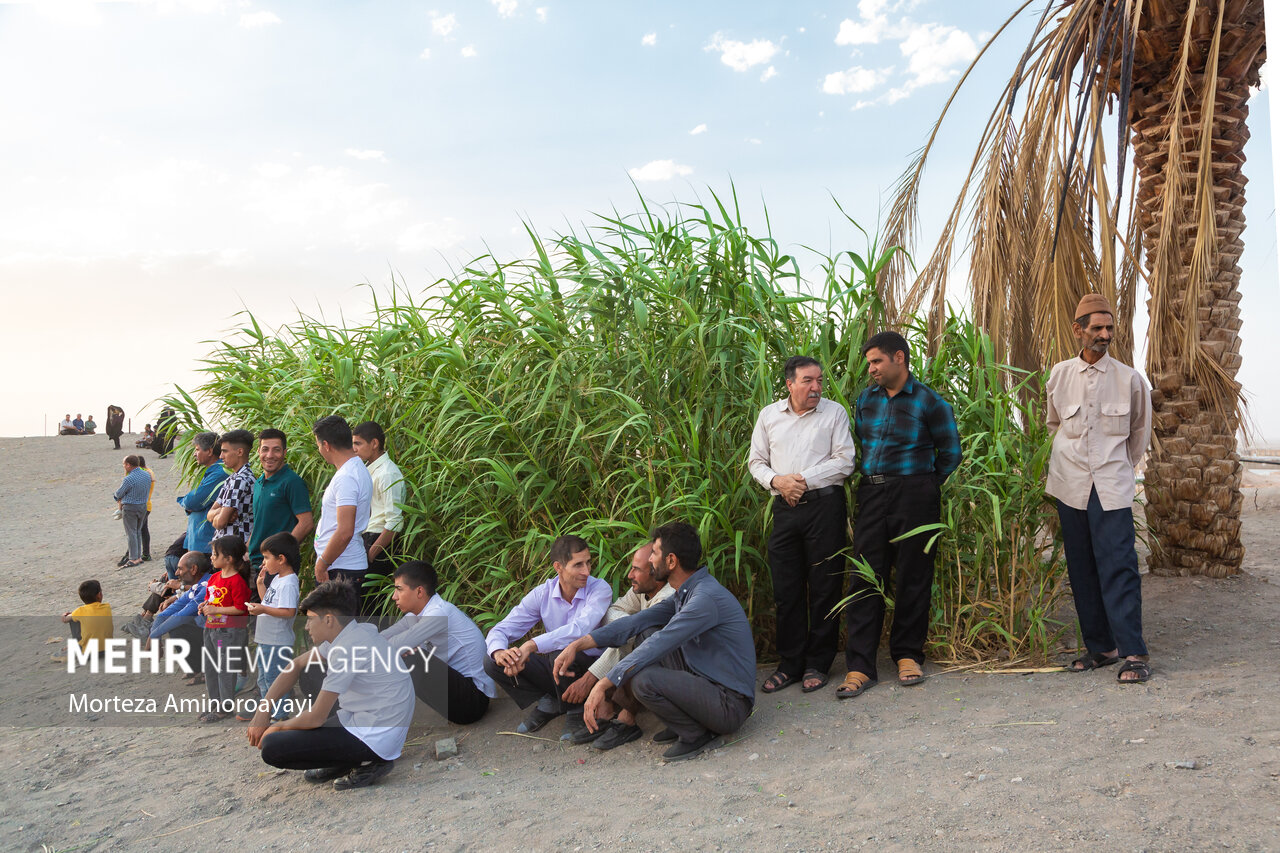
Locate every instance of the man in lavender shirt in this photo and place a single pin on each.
(569, 605)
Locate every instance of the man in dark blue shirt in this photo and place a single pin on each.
(697, 672)
(908, 446)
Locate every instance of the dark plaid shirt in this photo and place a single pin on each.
(913, 432)
(237, 492)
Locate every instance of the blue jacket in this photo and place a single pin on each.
(182, 611)
(197, 502)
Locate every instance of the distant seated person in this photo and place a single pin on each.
(568, 606)
(148, 437)
(90, 427)
(78, 423)
(68, 426)
(440, 646)
(91, 621)
(372, 697)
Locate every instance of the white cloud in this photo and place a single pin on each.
(702, 128)
(649, 40)
(469, 51)
(769, 74)
(422, 237)
(752, 140)
(506, 8)
(272, 171)
(659, 170)
(934, 50)
(442, 25)
(426, 53)
(541, 12)
(855, 79)
(740, 55)
(366, 154)
(257, 20)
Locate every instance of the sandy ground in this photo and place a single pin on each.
(1049, 761)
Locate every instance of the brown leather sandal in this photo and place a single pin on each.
(909, 672)
(855, 684)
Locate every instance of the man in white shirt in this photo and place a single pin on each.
(568, 605)
(344, 509)
(1100, 413)
(442, 648)
(385, 518)
(373, 696)
(802, 451)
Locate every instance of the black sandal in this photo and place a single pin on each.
(810, 674)
(1089, 662)
(777, 681)
(1141, 667)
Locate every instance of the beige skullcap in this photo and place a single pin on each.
(1092, 303)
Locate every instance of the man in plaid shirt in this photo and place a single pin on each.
(232, 511)
(908, 446)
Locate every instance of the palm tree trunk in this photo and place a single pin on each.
(1193, 472)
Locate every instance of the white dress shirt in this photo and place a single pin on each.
(816, 444)
(388, 493)
(457, 640)
(375, 693)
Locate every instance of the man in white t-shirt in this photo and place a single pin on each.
(373, 696)
(344, 509)
(441, 646)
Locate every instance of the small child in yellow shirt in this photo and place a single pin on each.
(91, 620)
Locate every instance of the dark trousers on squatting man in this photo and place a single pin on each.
(1103, 567)
(888, 507)
(684, 701)
(808, 574)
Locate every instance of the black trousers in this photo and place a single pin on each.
(885, 512)
(368, 598)
(446, 691)
(1105, 583)
(807, 578)
(536, 680)
(331, 745)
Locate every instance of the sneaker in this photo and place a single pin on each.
(617, 734)
(681, 750)
(364, 775)
(146, 558)
(326, 774)
(576, 731)
(537, 719)
(665, 736)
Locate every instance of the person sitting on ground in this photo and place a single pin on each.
(91, 621)
(697, 673)
(232, 511)
(159, 591)
(67, 426)
(226, 626)
(568, 606)
(90, 428)
(180, 616)
(274, 628)
(646, 591)
(441, 646)
(78, 423)
(374, 699)
(148, 437)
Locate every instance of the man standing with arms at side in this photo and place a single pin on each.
(344, 508)
(132, 499)
(801, 451)
(909, 446)
(281, 503)
(1100, 413)
(196, 502)
(370, 444)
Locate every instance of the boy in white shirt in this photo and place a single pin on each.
(274, 630)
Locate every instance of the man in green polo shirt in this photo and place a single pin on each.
(281, 503)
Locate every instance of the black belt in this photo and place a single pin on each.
(812, 495)
(881, 479)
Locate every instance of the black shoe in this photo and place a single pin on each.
(326, 774)
(617, 735)
(123, 561)
(576, 731)
(537, 719)
(665, 736)
(681, 750)
(364, 775)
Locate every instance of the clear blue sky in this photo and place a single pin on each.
(166, 163)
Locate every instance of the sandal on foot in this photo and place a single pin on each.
(909, 672)
(1140, 667)
(1089, 662)
(810, 675)
(778, 681)
(210, 717)
(855, 684)
(193, 680)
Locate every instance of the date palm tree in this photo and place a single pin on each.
(1053, 217)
